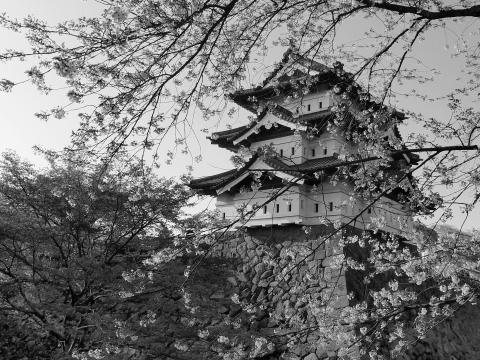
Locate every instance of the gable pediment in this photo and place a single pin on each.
(279, 169)
(269, 121)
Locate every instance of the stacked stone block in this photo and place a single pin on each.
(290, 273)
(263, 272)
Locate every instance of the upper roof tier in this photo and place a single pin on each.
(293, 68)
(285, 86)
(296, 73)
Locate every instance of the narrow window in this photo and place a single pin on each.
(330, 206)
(308, 107)
(293, 151)
(316, 208)
(320, 105)
(265, 209)
(281, 152)
(278, 208)
(223, 216)
(289, 207)
(325, 151)
(301, 204)
(313, 152)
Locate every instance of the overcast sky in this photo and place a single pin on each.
(20, 130)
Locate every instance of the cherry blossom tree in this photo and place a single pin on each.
(68, 236)
(147, 66)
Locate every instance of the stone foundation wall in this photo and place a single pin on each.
(289, 295)
(290, 298)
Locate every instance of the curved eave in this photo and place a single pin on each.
(225, 144)
(241, 97)
(224, 139)
(244, 99)
(208, 185)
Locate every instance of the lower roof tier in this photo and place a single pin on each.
(212, 185)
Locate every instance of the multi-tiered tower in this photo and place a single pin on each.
(293, 148)
(294, 153)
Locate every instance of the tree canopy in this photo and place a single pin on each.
(141, 75)
(144, 71)
(148, 67)
(67, 234)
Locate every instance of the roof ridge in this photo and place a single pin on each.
(298, 58)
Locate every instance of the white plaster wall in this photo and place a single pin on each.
(230, 206)
(334, 203)
(326, 144)
(309, 103)
(285, 143)
(390, 213)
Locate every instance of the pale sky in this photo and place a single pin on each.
(21, 129)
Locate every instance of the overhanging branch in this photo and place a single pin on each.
(473, 11)
(436, 149)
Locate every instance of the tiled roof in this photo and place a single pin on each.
(213, 181)
(310, 119)
(309, 166)
(248, 98)
(315, 120)
(231, 133)
(279, 164)
(289, 60)
(225, 138)
(209, 184)
(244, 97)
(320, 163)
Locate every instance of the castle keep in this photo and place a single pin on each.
(289, 207)
(291, 151)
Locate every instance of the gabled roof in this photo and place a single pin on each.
(278, 117)
(273, 115)
(267, 121)
(268, 165)
(295, 63)
(248, 99)
(209, 184)
(280, 167)
(295, 71)
(294, 67)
